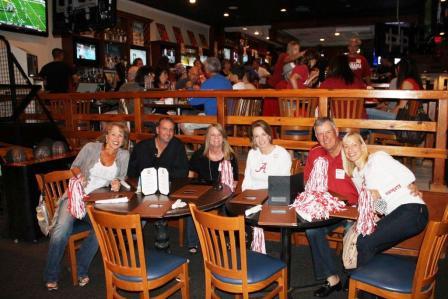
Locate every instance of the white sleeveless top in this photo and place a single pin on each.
(100, 176)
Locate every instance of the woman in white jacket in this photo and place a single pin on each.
(405, 214)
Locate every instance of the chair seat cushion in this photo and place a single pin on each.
(158, 264)
(388, 272)
(259, 267)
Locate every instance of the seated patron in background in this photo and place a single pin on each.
(386, 179)
(303, 75)
(239, 78)
(262, 72)
(264, 159)
(161, 77)
(408, 78)
(164, 150)
(99, 164)
(291, 55)
(216, 81)
(58, 76)
(330, 148)
(205, 166)
(358, 63)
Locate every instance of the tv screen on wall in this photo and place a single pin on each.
(86, 53)
(24, 16)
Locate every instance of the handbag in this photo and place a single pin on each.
(43, 219)
(349, 249)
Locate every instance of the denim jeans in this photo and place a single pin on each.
(404, 222)
(192, 236)
(373, 113)
(65, 226)
(324, 259)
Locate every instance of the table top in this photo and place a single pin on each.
(210, 200)
(235, 209)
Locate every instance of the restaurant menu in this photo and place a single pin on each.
(153, 180)
(277, 216)
(251, 197)
(190, 191)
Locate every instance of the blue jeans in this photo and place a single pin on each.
(65, 226)
(404, 222)
(192, 236)
(373, 113)
(324, 259)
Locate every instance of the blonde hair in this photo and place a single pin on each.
(122, 126)
(349, 166)
(226, 148)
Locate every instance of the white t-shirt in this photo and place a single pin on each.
(391, 178)
(101, 176)
(259, 167)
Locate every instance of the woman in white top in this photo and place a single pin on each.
(264, 159)
(405, 214)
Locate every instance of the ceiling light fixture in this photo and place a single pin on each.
(283, 10)
(245, 28)
(267, 37)
(226, 14)
(192, 1)
(256, 32)
(322, 39)
(337, 34)
(442, 33)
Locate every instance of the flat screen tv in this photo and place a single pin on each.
(24, 16)
(137, 53)
(85, 53)
(83, 15)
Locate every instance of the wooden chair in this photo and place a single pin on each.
(127, 267)
(83, 107)
(228, 265)
(245, 107)
(53, 185)
(297, 107)
(347, 108)
(397, 277)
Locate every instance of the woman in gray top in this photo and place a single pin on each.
(99, 164)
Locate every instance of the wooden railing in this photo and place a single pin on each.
(70, 118)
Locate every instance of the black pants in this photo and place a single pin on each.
(404, 222)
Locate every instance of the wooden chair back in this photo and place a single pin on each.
(122, 255)
(296, 166)
(347, 107)
(53, 185)
(297, 107)
(426, 270)
(223, 243)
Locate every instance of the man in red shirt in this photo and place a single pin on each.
(358, 63)
(330, 148)
(292, 53)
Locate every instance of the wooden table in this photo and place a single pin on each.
(212, 199)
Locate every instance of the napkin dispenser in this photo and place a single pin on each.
(282, 190)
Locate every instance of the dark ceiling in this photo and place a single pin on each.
(259, 12)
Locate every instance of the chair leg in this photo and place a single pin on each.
(352, 291)
(181, 232)
(208, 285)
(185, 290)
(283, 282)
(72, 260)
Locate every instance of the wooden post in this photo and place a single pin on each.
(220, 111)
(323, 106)
(138, 112)
(438, 179)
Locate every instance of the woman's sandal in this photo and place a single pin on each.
(83, 281)
(51, 286)
(193, 249)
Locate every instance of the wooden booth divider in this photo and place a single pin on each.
(70, 117)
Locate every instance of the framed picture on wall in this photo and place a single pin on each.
(192, 38)
(178, 35)
(162, 32)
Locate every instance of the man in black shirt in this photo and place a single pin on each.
(57, 74)
(164, 150)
